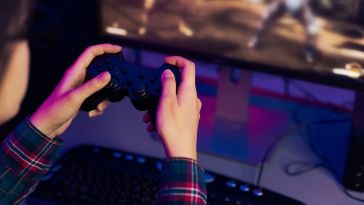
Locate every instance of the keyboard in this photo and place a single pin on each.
(97, 175)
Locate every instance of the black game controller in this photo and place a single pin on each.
(141, 84)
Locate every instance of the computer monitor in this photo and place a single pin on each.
(315, 40)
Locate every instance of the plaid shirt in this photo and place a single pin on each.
(182, 182)
(26, 156)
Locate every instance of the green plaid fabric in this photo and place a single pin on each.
(25, 157)
(182, 182)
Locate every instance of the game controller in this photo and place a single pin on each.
(141, 84)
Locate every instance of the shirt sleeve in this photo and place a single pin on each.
(182, 182)
(25, 157)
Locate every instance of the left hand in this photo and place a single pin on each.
(55, 115)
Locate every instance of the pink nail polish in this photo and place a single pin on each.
(103, 76)
(167, 74)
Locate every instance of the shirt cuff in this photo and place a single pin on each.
(182, 181)
(29, 149)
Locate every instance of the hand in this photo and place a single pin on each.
(62, 106)
(178, 114)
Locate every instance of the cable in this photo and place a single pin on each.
(288, 169)
(347, 193)
(275, 142)
(327, 165)
(268, 153)
(265, 157)
(324, 161)
(307, 94)
(311, 97)
(297, 112)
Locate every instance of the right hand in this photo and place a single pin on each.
(178, 113)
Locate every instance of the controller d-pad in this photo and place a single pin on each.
(124, 71)
(158, 89)
(153, 79)
(108, 61)
(141, 77)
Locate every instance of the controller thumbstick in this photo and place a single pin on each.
(139, 91)
(113, 84)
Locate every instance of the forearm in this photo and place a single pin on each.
(182, 182)
(25, 157)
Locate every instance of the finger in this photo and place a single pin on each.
(91, 52)
(151, 128)
(147, 117)
(75, 75)
(187, 67)
(199, 105)
(91, 87)
(101, 107)
(168, 85)
(94, 113)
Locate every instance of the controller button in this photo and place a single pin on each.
(153, 79)
(124, 72)
(108, 61)
(128, 82)
(109, 68)
(113, 84)
(114, 71)
(158, 89)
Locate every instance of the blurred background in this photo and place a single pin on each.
(279, 80)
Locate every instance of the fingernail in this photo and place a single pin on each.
(167, 74)
(117, 47)
(104, 76)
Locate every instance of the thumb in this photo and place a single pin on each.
(92, 86)
(169, 86)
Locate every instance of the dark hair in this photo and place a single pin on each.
(13, 21)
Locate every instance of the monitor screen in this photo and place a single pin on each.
(314, 36)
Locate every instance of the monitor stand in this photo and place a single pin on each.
(230, 127)
(354, 169)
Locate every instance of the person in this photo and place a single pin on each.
(181, 5)
(299, 9)
(29, 151)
